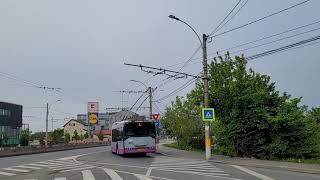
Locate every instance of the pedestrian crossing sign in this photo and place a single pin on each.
(208, 114)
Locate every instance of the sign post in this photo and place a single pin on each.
(92, 117)
(208, 116)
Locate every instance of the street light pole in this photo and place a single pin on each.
(205, 83)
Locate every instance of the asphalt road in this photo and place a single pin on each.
(99, 163)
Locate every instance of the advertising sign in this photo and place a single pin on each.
(93, 118)
(93, 107)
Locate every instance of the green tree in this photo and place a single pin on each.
(25, 137)
(253, 118)
(100, 136)
(67, 137)
(57, 136)
(81, 137)
(75, 135)
(86, 135)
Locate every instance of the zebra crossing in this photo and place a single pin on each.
(189, 166)
(108, 174)
(60, 165)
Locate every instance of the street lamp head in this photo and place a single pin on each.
(173, 17)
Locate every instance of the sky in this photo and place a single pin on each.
(81, 46)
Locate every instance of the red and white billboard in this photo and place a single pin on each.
(93, 107)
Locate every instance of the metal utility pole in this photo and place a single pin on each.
(206, 95)
(150, 101)
(47, 116)
(203, 43)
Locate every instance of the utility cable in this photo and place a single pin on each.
(267, 37)
(284, 48)
(277, 40)
(260, 19)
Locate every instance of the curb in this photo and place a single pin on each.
(293, 169)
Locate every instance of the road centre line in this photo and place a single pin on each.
(17, 170)
(87, 175)
(260, 176)
(6, 174)
(112, 174)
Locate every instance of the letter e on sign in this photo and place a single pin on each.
(93, 107)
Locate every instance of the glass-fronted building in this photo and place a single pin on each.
(10, 123)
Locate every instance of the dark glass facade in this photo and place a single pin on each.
(10, 123)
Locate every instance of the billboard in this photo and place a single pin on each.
(93, 107)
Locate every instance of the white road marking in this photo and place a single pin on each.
(203, 163)
(125, 172)
(76, 169)
(27, 167)
(142, 177)
(6, 174)
(70, 167)
(196, 170)
(149, 171)
(112, 174)
(260, 176)
(17, 170)
(186, 165)
(121, 165)
(60, 178)
(87, 175)
(41, 165)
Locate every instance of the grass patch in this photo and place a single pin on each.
(176, 146)
(306, 161)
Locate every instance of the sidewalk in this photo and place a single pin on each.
(250, 162)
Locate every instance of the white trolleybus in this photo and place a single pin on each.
(131, 136)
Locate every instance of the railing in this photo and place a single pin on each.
(13, 151)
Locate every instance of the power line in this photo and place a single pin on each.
(136, 101)
(180, 88)
(277, 40)
(158, 71)
(233, 15)
(267, 37)
(217, 28)
(281, 49)
(221, 23)
(260, 19)
(142, 103)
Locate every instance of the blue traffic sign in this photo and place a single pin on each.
(208, 114)
(157, 124)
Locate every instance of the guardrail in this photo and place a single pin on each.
(24, 150)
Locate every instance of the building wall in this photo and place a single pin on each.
(10, 122)
(74, 125)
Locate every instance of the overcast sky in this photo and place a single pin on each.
(81, 45)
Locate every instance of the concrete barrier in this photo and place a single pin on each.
(17, 151)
